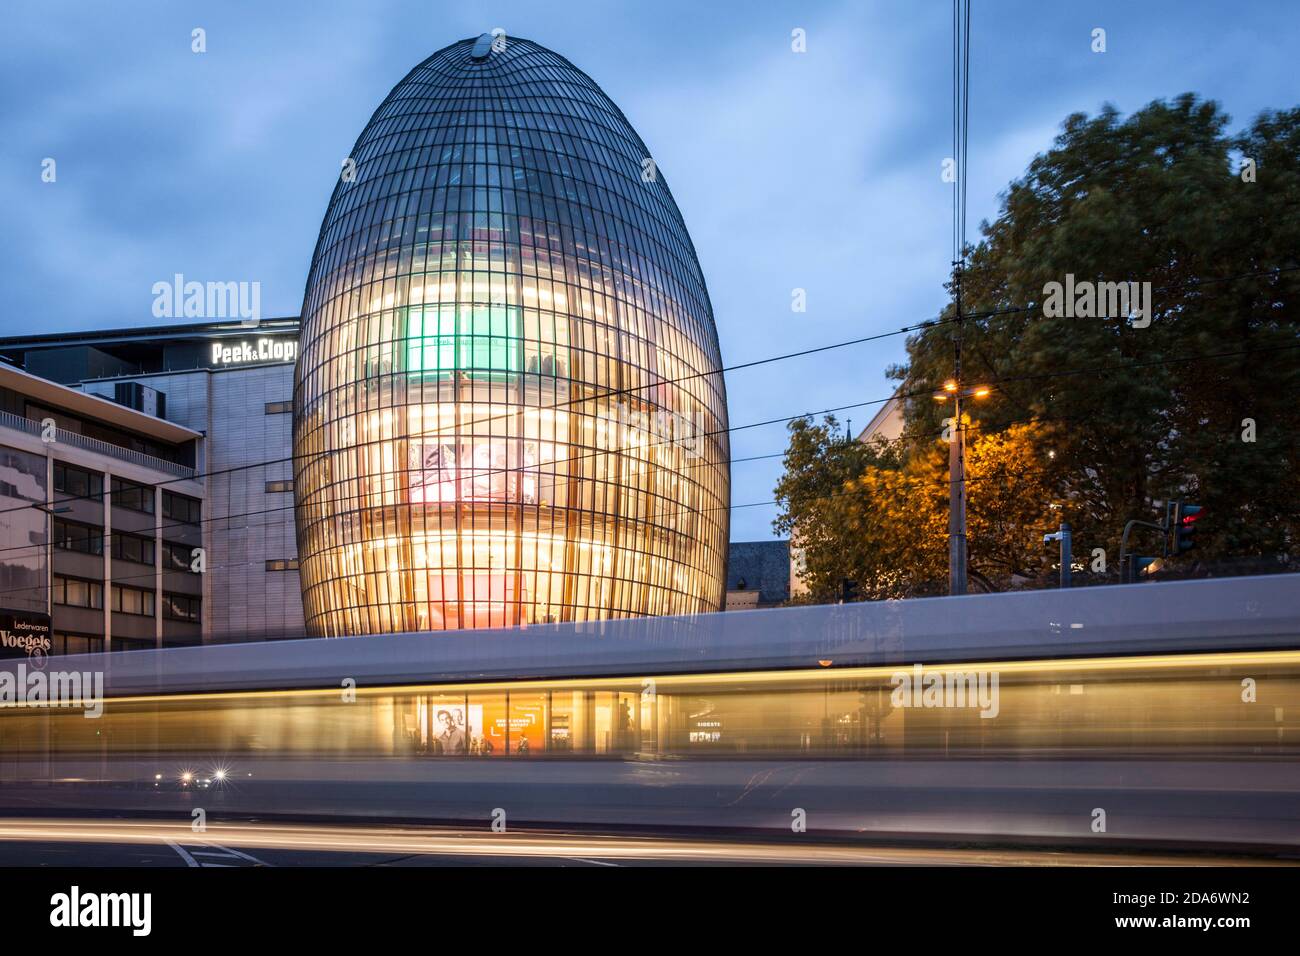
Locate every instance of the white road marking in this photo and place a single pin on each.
(241, 854)
(216, 849)
(189, 860)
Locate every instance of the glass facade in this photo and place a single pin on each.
(509, 408)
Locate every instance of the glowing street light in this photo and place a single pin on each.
(950, 390)
(957, 482)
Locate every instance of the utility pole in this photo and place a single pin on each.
(957, 477)
(952, 389)
(957, 542)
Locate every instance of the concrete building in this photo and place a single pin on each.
(229, 388)
(101, 517)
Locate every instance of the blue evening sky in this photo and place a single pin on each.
(818, 170)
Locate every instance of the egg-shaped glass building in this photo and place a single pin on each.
(508, 402)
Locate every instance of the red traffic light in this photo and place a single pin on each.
(1185, 517)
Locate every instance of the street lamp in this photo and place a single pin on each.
(957, 482)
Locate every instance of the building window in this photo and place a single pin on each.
(279, 408)
(132, 496)
(277, 486)
(128, 600)
(132, 644)
(78, 482)
(62, 642)
(182, 508)
(282, 564)
(179, 557)
(77, 592)
(74, 536)
(182, 607)
(130, 547)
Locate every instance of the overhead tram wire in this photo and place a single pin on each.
(928, 324)
(772, 421)
(910, 480)
(897, 440)
(38, 548)
(915, 481)
(957, 538)
(916, 327)
(921, 326)
(993, 383)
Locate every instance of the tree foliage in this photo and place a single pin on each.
(1129, 415)
(878, 518)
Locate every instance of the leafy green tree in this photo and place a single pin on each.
(1091, 420)
(819, 462)
(879, 519)
(1135, 415)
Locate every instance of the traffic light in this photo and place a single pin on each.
(1142, 566)
(1185, 516)
(1138, 566)
(848, 591)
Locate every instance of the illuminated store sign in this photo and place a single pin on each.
(260, 350)
(24, 634)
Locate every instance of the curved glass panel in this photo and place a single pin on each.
(509, 408)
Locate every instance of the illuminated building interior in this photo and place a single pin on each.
(508, 401)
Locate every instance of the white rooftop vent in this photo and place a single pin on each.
(482, 47)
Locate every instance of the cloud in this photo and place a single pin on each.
(817, 171)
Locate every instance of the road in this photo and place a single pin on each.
(1204, 805)
(155, 843)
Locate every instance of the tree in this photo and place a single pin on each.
(819, 463)
(1140, 414)
(880, 519)
(1091, 420)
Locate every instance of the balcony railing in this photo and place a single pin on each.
(62, 437)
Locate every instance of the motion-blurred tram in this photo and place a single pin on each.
(1155, 678)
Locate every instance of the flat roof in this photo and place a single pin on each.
(151, 333)
(92, 406)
